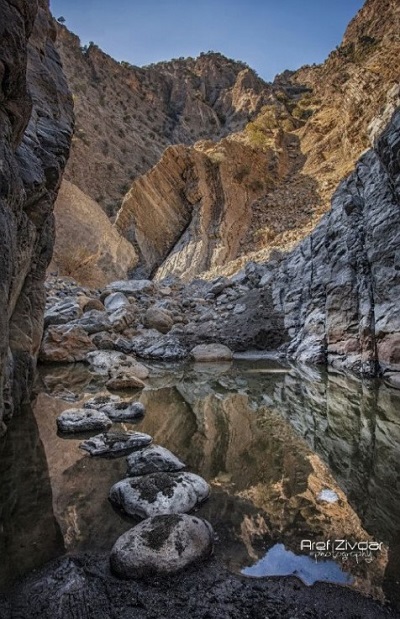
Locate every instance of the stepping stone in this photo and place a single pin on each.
(116, 408)
(159, 493)
(153, 459)
(115, 444)
(82, 420)
(125, 411)
(100, 401)
(162, 545)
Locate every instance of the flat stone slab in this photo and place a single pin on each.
(115, 444)
(162, 545)
(153, 459)
(82, 420)
(211, 352)
(159, 493)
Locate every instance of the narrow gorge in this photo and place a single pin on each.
(199, 329)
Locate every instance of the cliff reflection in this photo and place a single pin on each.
(269, 438)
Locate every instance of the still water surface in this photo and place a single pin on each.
(291, 453)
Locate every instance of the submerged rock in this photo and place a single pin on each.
(162, 545)
(153, 459)
(82, 420)
(211, 352)
(115, 444)
(159, 493)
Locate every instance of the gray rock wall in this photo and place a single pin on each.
(339, 290)
(36, 123)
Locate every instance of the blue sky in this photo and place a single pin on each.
(270, 35)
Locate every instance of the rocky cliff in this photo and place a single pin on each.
(192, 211)
(339, 289)
(87, 246)
(36, 121)
(142, 111)
(315, 124)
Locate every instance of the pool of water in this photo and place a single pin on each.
(295, 456)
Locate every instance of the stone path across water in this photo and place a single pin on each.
(157, 490)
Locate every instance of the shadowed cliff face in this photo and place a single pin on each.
(35, 134)
(339, 289)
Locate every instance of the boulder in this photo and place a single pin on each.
(65, 343)
(93, 304)
(211, 352)
(113, 363)
(153, 459)
(151, 345)
(116, 408)
(156, 318)
(162, 545)
(392, 379)
(159, 493)
(131, 286)
(94, 321)
(125, 411)
(115, 444)
(98, 402)
(218, 285)
(62, 312)
(115, 301)
(82, 420)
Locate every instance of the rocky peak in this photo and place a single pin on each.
(147, 109)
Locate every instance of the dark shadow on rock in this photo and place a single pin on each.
(29, 533)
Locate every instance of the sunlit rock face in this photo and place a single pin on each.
(36, 120)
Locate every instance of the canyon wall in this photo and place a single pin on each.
(36, 124)
(339, 289)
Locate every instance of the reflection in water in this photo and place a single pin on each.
(281, 562)
(29, 532)
(291, 454)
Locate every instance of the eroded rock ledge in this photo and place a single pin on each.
(36, 123)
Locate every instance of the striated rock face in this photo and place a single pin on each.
(87, 246)
(193, 210)
(339, 290)
(36, 119)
